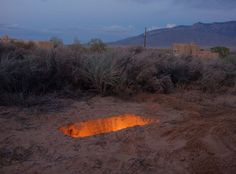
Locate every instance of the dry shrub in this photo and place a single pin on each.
(217, 74)
(36, 74)
(136, 49)
(100, 72)
(117, 71)
(97, 45)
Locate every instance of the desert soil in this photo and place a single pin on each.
(196, 134)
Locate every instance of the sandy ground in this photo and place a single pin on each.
(196, 134)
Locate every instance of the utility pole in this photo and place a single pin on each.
(145, 38)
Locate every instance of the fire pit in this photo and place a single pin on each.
(104, 125)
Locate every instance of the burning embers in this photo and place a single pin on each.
(104, 125)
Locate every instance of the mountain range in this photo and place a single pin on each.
(204, 34)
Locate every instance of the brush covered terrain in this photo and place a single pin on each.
(42, 90)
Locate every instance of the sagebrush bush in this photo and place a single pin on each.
(217, 74)
(116, 71)
(99, 73)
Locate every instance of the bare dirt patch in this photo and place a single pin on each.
(196, 134)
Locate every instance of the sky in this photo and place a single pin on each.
(109, 20)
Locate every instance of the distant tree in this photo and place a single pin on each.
(97, 45)
(77, 45)
(223, 51)
(57, 42)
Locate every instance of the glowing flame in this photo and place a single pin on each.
(104, 125)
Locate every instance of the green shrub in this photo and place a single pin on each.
(223, 51)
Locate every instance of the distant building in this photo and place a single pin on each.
(5, 39)
(44, 44)
(192, 50)
(40, 44)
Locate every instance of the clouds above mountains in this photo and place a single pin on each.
(108, 19)
(220, 4)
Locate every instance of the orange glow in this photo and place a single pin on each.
(104, 125)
